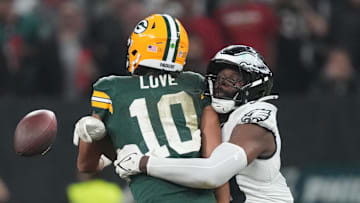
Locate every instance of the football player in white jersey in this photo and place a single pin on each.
(239, 83)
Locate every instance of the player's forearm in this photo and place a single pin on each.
(222, 193)
(88, 158)
(210, 131)
(226, 160)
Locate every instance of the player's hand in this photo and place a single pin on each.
(88, 129)
(128, 161)
(105, 161)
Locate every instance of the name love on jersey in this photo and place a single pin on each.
(155, 82)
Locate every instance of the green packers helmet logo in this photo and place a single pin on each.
(141, 26)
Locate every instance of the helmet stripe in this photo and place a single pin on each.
(177, 40)
(171, 45)
(168, 39)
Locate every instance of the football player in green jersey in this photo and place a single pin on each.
(159, 108)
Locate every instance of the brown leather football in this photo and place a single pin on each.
(35, 133)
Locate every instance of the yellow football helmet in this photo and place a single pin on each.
(160, 42)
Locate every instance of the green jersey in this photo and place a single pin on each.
(160, 114)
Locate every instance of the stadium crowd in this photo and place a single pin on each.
(59, 47)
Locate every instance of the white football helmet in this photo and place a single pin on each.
(255, 73)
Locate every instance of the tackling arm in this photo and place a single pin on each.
(226, 160)
(247, 142)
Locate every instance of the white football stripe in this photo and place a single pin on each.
(173, 37)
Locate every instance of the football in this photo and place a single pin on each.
(35, 133)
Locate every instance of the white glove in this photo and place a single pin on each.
(88, 129)
(128, 161)
(106, 161)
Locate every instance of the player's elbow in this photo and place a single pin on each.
(212, 182)
(208, 184)
(210, 178)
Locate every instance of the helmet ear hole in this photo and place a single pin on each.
(134, 52)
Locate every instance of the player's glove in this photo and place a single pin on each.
(128, 161)
(105, 160)
(88, 129)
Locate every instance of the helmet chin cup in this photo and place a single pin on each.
(222, 105)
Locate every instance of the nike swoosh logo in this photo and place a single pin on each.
(129, 158)
(126, 159)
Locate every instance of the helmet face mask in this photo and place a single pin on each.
(248, 77)
(158, 42)
(227, 84)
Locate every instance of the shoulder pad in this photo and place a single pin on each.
(193, 74)
(257, 112)
(106, 82)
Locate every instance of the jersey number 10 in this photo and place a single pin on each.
(138, 109)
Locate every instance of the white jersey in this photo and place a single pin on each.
(261, 181)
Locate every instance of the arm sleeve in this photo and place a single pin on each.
(225, 161)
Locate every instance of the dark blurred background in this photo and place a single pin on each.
(51, 51)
